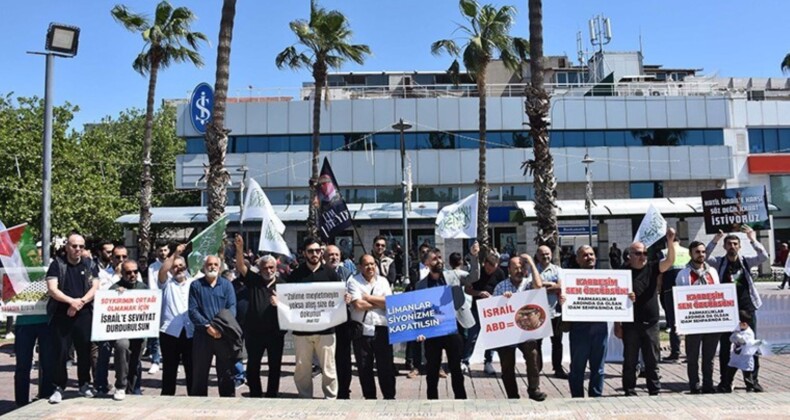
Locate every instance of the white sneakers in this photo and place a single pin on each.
(86, 391)
(56, 397)
(464, 368)
(488, 368)
(119, 395)
(154, 369)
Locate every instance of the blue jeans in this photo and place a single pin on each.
(471, 340)
(588, 344)
(153, 350)
(24, 347)
(100, 375)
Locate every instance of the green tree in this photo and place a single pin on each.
(537, 108)
(487, 32)
(326, 38)
(216, 133)
(164, 39)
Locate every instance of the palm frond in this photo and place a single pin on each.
(445, 45)
(131, 21)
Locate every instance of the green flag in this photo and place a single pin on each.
(206, 243)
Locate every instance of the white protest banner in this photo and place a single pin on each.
(258, 206)
(458, 220)
(522, 317)
(597, 295)
(128, 314)
(652, 228)
(712, 308)
(310, 307)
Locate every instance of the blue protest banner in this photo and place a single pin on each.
(428, 312)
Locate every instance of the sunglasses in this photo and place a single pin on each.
(380, 245)
(132, 271)
(121, 257)
(313, 251)
(639, 254)
(77, 246)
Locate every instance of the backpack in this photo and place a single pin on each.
(87, 264)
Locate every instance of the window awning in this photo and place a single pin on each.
(287, 213)
(675, 206)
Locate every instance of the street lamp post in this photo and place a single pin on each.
(401, 126)
(62, 41)
(588, 198)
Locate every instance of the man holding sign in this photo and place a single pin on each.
(529, 320)
(642, 335)
(699, 273)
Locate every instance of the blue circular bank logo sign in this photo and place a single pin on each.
(200, 105)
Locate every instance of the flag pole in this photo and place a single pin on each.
(243, 170)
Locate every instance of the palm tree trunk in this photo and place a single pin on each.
(319, 77)
(482, 185)
(146, 180)
(537, 105)
(216, 133)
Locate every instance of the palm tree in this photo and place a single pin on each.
(326, 38)
(487, 32)
(537, 106)
(216, 133)
(786, 64)
(164, 39)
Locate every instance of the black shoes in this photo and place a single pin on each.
(561, 374)
(537, 395)
(673, 357)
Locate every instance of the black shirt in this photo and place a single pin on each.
(487, 283)
(734, 274)
(304, 274)
(73, 284)
(645, 282)
(261, 315)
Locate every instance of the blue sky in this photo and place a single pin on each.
(728, 38)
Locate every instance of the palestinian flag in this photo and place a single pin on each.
(15, 277)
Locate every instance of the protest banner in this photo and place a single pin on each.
(705, 309)
(311, 307)
(458, 220)
(729, 209)
(208, 242)
(522, 317)
(128, 314)
(32, 300)
(428, 312)
(333, 215)
(597, 295)
(652, 228)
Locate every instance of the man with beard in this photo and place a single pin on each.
(551, 276)
(176, 332)
(642, 335)
(529, 349)
(452, 344)
(490, 276)
(320, 343)
(207, 297)
(699, 273)
(261, 328)
(733, 268)
(383, 262)
(333, 260)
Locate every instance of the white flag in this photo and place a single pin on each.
(257, 206)
(271, 239)
(652, 228)
(458, 220)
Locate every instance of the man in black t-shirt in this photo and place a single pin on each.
(261, 327)
(643, 334)
(490, 276)
(71, 284)
(321, 343)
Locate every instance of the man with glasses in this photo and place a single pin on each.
(551, 275)
(321, 343)
(71, 284)
(177, 330)
(104, 257)
(127, 351)
(383, 262)
(643, 334)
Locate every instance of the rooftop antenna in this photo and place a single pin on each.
(600, 31)
(579, 48)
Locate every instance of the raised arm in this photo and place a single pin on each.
(241, 268)
(168, 263)
(762, 254)
(667, 262)
(711, 246)
(537, 281)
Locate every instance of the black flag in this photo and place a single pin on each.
(333, 214)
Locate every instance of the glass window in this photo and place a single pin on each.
(445, 194)
(389, 195)
(258, 144)
(562, 77)
(518, 192)
(784, 140)
(574, 138)
(635, 137)
(388, 141)
(770, 140)
(196, 145)
(493, 194)
(756, 141)
(359, 195)
(241, 144)
(278, 143)
(356, 141)
(377, 80)
(301, 195)
(494, 140)
(614, 138)
(279, 196)
(441, 140)
(424, 79)
(234, 198)
(556, 138)
(411, 140)
(303, 143)
(650, 189)
(694, 138)
(469, 140)
(594, 139)
(518, 139)
(714, 137)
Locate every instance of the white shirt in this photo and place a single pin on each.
(787, 267)
(356, 286)
(153, 274)
(175, 304)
